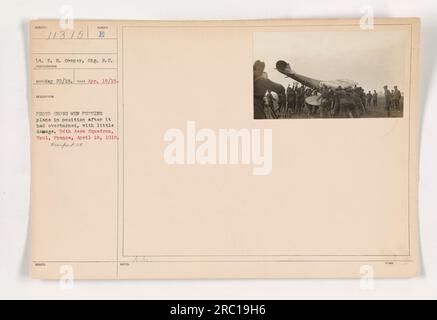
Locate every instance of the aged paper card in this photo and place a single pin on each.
(224, 149)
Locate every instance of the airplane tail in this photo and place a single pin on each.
(284, 68)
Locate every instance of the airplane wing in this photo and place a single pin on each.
(344, 83)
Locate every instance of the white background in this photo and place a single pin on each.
(15, 161)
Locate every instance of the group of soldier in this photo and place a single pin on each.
(393, 99)
(293, 101)
(298, 100)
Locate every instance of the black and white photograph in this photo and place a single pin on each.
(330, 74)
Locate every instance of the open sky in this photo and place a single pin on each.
(372, 58)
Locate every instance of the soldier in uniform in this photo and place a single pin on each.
(392, 99)
(375, 99)
(300, 91)
(271, 104)
(261, 84)
(369, 97)
(337, 110)
(396, 98)
(362, 95)
(281, 103)
(287, 92)
(388, 99)
(291, 98)
(327, 100)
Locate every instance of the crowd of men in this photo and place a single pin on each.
(393, 99)
(333, 101)
(272, 100)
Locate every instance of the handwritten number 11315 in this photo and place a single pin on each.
(65, 35)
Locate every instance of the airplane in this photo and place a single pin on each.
(284, 68)
(347, 99)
